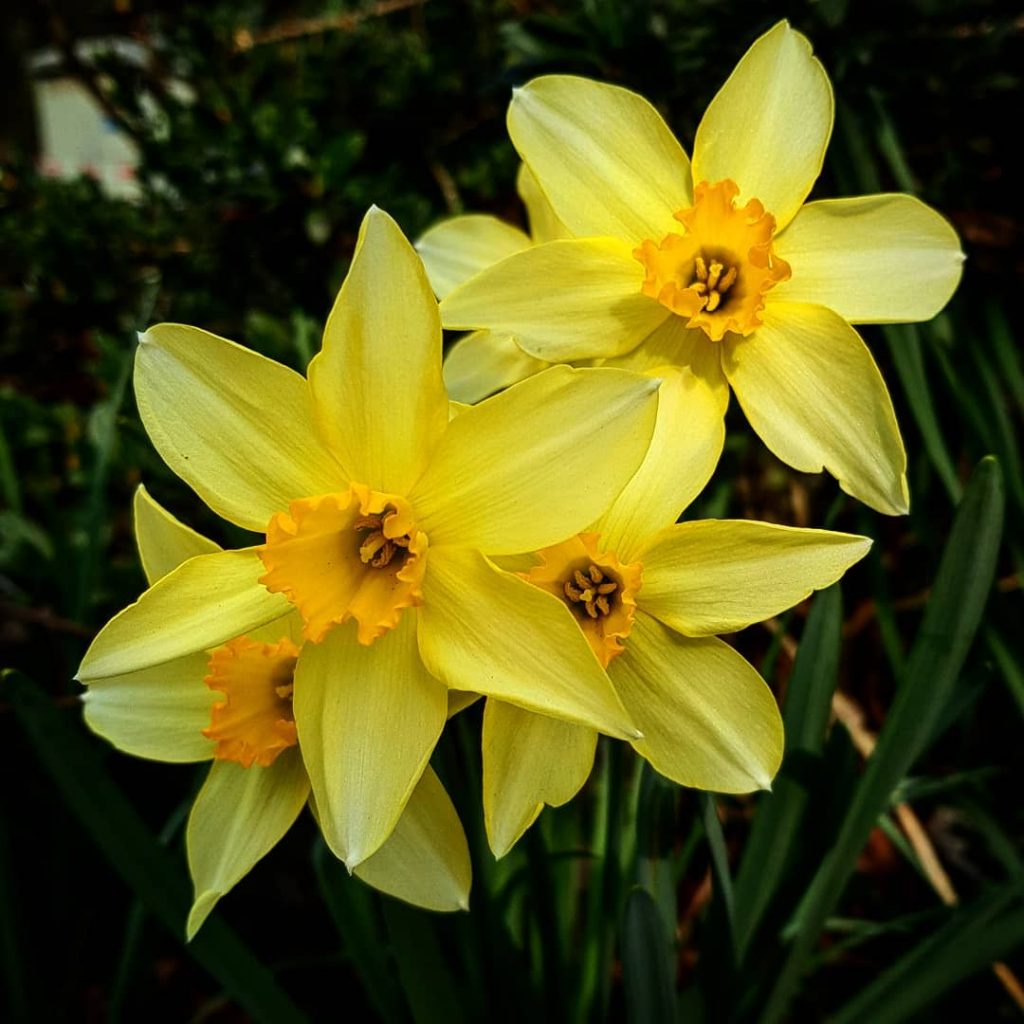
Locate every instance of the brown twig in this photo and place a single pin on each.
(45, 618)
(296, 28)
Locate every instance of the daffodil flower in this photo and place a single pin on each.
(721, 267)
(456, 249)
(233, 706)
(380, 513)
(650, 595)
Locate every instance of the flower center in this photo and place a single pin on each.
(598, 588)
(377, 548)
(717, 272)
(254, 722)
(354, 555)
(591, 591)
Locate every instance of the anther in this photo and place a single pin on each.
(376, 549)
(590, 591)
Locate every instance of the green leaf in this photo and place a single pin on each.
(718, 965)
(648, 971)
(951, 618)
(970, 940)
(774, 836)
(905, 349)
(428, 985)
(355, 910)
(136, 855)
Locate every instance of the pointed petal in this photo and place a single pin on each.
(483, 362)
(872, 259)
(163, 541)
(603, 156)
(157, 713)
(235, 426)
(485, 630)
(454, 250)
(544, 223)
(368, 718)
(538, 462)
(708, 719)
(529, 761)
(425, 861)
(578, 298)
(719, 576)
(685, 447)
(812, 391)
(204, 602)
(237, 819)
(769, 125)
(379, 399)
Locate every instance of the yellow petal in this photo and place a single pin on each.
(204, 602)
(707, 717)
(715, 576)
(235, 426)
(544, 223)
(157, 713)
(529, 761)
(377, 389)
(238, 818)
(538, 462)
(454, 250)
(685, 448)
(769, 125)
(164, 542)
(485, 630)
(483, 362)
(811, 390)
(872, 259)
(425, 861)
(578, 298)
(603, 156)
(368, 719)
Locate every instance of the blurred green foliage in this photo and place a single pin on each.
(264, 131)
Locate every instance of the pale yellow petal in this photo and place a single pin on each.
(538, 462)
(578, 298)
(425, 861)
(529, 760)
(603, 155)
(812, 391)
(235, 426)
(454, 250)
(368, 718)
(204, 602)
(239, 816)
(485, 630)
(157, 713)
(769, 125)
(719, 576)
(483, 362)
(685, 447)
(544, 223)
(872, 259)
(708, 719)
(164, 542)
(379, 399)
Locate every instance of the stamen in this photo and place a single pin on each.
(377, 549)
(589, 591)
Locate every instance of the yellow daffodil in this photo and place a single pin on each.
(233, 706)
(721, 267)
(650, 595)
(456, 249)
(380, 513)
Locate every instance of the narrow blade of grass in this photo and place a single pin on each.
(354, 909)
(136, 855)
(969, 941)
(774, 834)
(951, 619)
(647, 968)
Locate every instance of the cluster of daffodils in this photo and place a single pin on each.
(417, 551)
